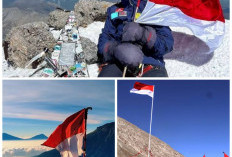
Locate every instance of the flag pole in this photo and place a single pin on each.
(86, 115)
(149, 146)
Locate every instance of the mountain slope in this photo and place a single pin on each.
(133, 141)
(100, 143)
(38, 137)
(6, 137)
(23, 11)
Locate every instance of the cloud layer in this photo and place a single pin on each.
(23, 148)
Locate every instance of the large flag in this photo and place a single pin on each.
(203, 17)
(68, 136)
(225, 155)
(140, 88)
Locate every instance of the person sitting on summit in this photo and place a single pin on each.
(124, 43)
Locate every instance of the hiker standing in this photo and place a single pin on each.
(124, 43)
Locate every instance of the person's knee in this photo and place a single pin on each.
(110, 70)
(156, 72)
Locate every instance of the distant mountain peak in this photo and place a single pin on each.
(38, 137)
(6, 136)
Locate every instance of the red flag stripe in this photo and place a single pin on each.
(142, 86)
(71, 126)
(209, 10)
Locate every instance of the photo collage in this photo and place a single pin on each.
(115, 78)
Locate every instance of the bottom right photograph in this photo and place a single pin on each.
(173, 118)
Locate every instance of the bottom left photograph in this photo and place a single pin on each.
(54, 118)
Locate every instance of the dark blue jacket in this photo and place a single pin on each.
(114, 27)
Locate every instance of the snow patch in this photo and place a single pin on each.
(92, 31)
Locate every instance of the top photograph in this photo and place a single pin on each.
(115, 38)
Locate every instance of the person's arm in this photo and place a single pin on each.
(157, 40)
(106, 41)
(163, 43)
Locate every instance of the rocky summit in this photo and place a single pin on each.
(58, 18)
(133, 141)
(88, 11)
(26, 41)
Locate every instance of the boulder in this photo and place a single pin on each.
(26, 41)
(90, 50)
(58, 18)
(87, 11)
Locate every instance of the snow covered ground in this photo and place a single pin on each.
(23, 148)
(179, 63)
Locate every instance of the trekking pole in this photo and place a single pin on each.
(124, 71)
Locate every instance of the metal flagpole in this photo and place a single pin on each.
(86, 113)
(149, 147)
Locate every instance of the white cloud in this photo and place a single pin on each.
(47, 115)
(23, 148)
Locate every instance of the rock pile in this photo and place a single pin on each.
(27, 41)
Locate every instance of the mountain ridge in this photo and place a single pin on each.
(8, 137)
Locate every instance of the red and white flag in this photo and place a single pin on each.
(68, 136)
(140, 88)
(225, 155)
(203, 17)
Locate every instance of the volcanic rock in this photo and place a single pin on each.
(87, 11)
(58, 18)
(27, 41)
(90, 50)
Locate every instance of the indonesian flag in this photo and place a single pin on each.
(68, 136)
(203, 17)
(225, 155)
(140, 88)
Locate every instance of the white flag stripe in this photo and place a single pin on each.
(71, 147)
(143, 92)
(211, 32)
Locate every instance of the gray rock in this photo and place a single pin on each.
(58, 19)
(27, 41)
(90, 50)
(87, 11)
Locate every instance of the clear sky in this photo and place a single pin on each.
(35, 107)
(191, 116)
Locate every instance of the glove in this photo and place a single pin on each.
(128, 54)
(109, 50)
(143, 35)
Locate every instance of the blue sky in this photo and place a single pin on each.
(34, 107)
(191, 116)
